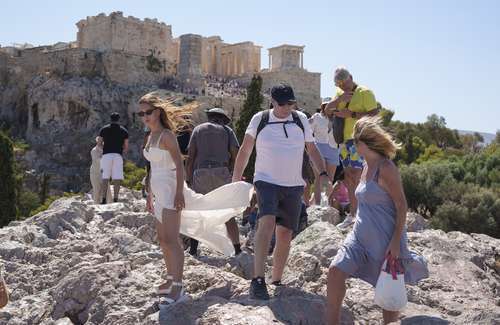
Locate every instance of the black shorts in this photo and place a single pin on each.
(281, 201)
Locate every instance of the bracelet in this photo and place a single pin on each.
(323, 173)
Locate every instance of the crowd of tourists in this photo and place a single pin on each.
(219, 86)
(340, 156)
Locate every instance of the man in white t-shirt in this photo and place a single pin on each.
(280, 136)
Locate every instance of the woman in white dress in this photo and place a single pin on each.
(95, 172)
(176, 207)
(328, 148)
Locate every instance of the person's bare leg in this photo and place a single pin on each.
(262, 240)
(103, 190)
(390, 316)
(352, 176)
(233, 231)
(168, 236)
(331, 173)
(317, 187)
(281, 250)
(307, 194)
(335, 295)
(116, 189)
(161, 236)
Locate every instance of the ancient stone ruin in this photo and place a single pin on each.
(56, 97)
(129, 50)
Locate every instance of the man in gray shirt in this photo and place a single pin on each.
(212, 151)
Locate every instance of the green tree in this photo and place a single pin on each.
(252, 105)
(8, 210)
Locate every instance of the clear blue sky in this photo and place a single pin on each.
(419, 57)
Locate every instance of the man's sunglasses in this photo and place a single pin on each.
(148, 112)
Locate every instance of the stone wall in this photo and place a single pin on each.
(306, 85)
(127, 34)
(116, 66)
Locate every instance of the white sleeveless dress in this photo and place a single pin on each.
(204, 216)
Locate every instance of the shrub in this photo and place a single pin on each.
(478, 211)
(28, 202)
(8, 190)
(133, 175)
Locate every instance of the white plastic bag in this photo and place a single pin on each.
(390, 291)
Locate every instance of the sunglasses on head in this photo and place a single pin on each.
(148, 112)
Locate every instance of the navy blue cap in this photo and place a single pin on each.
(115, 116)
(283, 94)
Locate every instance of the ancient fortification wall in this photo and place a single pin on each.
(116, 66)
(127, 34)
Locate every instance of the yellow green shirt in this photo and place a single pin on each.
(362, 101)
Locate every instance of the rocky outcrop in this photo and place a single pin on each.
(82, 263)
(60, 116)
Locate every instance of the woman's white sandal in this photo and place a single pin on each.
(163, 292)
(166, 301)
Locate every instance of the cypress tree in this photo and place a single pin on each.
(252, 105)
(8, 193)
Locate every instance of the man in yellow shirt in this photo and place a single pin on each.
(351, 102)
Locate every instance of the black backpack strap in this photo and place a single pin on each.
(263, 122)
(298, 121)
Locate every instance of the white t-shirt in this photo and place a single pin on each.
(320, 125)
(279, 159)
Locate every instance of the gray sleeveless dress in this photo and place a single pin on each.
(363, 250)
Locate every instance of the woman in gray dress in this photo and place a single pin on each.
(380, 228)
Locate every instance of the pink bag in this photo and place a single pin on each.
(390, 291)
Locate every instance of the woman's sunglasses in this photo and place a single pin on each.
(148, 112)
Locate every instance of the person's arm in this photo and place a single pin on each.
(125, 146)
(243, 156)
(316, 158)
(233, 150)
(390, 180)
(169, 141)
(372, 108)
(192, 152)
(333, 105)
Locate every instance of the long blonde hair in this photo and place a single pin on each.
(172, 117)
(369, 130)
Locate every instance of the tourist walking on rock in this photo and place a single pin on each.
(323, 136)
(212, 151)
(379, 230)
(351, 103)
(96, 173)
(177, 208)
(115, 139)
(280, 136)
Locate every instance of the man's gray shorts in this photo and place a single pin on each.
(208, 179)
(283, 202)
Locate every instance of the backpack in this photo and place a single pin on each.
(265, 121)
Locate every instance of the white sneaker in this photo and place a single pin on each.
(348, 221)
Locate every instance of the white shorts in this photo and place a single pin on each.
(112, 166)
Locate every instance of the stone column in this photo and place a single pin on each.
(302, 60)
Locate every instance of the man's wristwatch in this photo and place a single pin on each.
(323, 173)
(353, 114)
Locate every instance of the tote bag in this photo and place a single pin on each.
(390, 291)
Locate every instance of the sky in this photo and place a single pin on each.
(419, 57)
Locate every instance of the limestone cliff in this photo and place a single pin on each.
(82, 263)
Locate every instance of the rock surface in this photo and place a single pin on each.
(80, 263)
